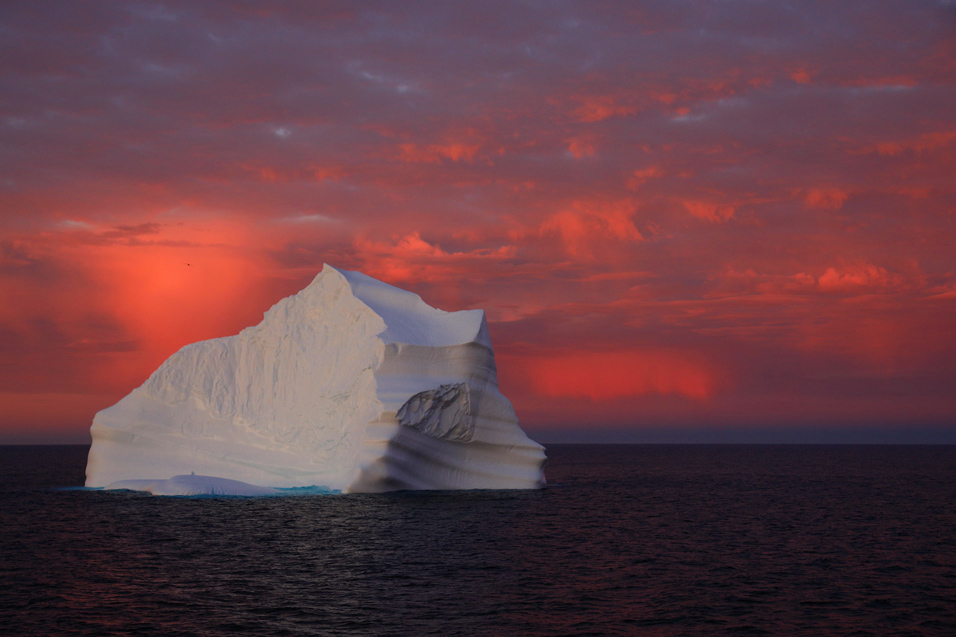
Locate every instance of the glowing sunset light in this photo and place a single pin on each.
(602, 376)
(673, 216)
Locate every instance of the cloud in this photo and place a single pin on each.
(308, 218)
(131, 232)
(801, 76)
(411, 258)
(614, 375)
(923, 143)
(867, 277)
(825, 198)
(766, 199)
(708, 211)
(851, 280)
(586, 225)
(595, 108)
(581, 147)
(435, 153)
(643, 175)
(456, 147)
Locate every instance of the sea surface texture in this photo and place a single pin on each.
(626, 540)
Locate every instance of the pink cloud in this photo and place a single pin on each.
(600, 376)
(435, 153)
(801, 76)
(642, 175)
(859, 277)
(825, 198)
(585, 226)
(581, 147)
(709, 211)
(923, 143)
(595, 108)
(411, 258)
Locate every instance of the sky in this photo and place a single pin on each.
(724, 221)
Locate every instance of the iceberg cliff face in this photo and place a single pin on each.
(351, 384)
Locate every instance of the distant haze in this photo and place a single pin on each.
(687, 222)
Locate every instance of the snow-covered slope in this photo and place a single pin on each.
(351, 384)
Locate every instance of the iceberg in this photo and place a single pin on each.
(351, 385)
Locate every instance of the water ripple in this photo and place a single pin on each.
(654, 540)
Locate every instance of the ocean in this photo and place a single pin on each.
(626, 540)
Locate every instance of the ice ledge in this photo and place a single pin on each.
(197, 486)
(194, 485)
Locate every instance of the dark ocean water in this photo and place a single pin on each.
(629, 539)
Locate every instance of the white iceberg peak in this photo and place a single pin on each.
(410, 320)
(311, 397)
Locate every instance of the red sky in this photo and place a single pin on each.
(725, 221)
